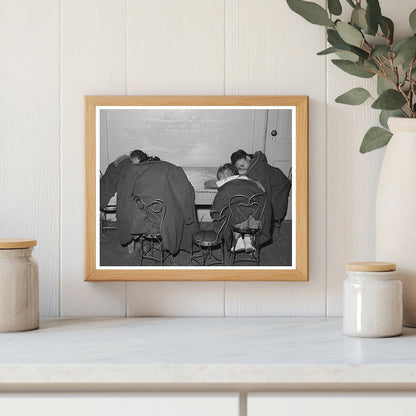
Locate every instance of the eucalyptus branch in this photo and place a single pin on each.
(412, 86)
(386, 37)
(404, 113)
(367, 40)
(366, 43)
(395, 71)
(384, 73)
(406, 97)
(371, 70)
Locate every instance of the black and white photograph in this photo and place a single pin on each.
(195, 187)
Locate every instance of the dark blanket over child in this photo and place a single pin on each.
(156, 180)
(236, 185)
(275, 182)
(110, 180)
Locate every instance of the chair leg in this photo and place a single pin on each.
(257, 246)
(162, 253)
(192, 254)
(204, 256)
(278, 227)
(141, 250)
(233, 251)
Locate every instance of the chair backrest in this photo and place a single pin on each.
(154, 211)
(247, 211)
(220, 219)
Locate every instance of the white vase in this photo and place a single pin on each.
(396, 210)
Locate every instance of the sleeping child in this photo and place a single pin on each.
(229, 185)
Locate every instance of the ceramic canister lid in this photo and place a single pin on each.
(12, 243)
(371, 266)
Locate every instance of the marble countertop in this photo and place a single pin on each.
(204, 351)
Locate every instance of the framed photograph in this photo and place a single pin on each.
(196, 188)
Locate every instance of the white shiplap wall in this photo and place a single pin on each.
(30, 134)
(55, 52)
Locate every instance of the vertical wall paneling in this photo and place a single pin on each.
(267, 55)
(175, 47)
(93, 61)
(29, 135)
(54, 52)
(175, 299)
(352, 177)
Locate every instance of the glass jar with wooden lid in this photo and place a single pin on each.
(19, 286)
(372, 298)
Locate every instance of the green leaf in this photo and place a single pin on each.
(355, 96)
(373, 15)
(352, 68)
(334, 7)
(370, 65)
(336, 41)
(387, 27)
(311, 12)
(375, 138)
(386, 114)
(350, 56)
(327, 51)
(358, 18)
(381, 50)
(405, 50)
(389, 100)
(412, 20)
(383, 84)
(349, 34)
(347, 55)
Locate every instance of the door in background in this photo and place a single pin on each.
(278, 144)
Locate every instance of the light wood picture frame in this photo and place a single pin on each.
(110, 133)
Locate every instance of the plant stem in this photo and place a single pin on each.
(384, 73)
(366, 43)
(406, 97)
(412, 88)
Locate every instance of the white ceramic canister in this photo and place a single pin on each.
(19, 286)
(372, 300)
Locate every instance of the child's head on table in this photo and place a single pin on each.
(226, 170)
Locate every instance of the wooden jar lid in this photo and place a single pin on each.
(371, 266)
(11, 243)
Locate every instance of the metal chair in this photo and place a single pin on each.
(109, 209)
(154, 213)
(104, 221)
(246, 219)
(208, 240)
(278, 223)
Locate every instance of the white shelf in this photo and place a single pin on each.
(296, 352)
